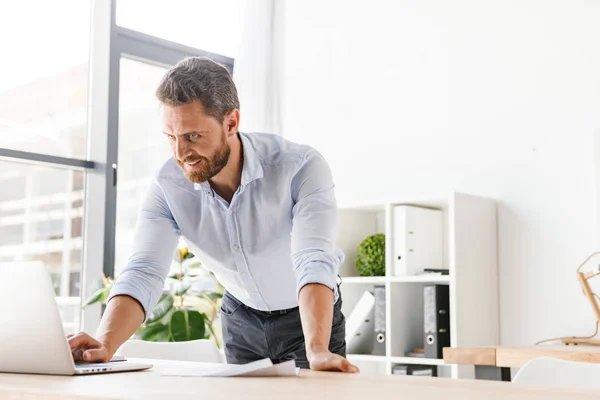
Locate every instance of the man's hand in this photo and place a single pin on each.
(86, 348)
(327, 361)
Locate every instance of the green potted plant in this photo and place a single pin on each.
(182, 312)
(370, 256)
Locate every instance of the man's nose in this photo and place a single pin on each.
(181, 150)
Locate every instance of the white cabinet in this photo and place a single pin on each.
(468, 251)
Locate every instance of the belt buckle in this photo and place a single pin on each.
(277, 312)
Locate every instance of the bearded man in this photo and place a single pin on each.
(260, 213)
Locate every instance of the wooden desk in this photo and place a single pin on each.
(309, 384)
(517, 356)
(509, 357)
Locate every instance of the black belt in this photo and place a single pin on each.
(278, 312)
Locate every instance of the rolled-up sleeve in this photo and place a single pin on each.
(315, 257)
(154, 243)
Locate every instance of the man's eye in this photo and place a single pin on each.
(193, 136)
(171, 137)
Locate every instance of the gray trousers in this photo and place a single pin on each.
(250, 335)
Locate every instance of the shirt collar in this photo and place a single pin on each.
(252, 169)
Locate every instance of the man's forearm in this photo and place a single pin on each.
(316, 312)
(122, 317)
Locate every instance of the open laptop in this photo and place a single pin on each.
(32, 339)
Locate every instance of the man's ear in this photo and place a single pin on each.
(232, 122)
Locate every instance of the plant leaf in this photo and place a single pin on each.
(195, 265)
(211, 297)
(187, 325)
(162, 307)
(154, 333)
(182, 290)
(211, 332)
(214, 295)
(98, 296)
(188, 255)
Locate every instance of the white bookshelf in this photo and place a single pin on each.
(469, 255)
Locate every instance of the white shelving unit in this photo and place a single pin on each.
(469, 254)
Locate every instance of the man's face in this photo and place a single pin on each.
(198, 142)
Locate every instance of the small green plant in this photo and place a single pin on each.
(370, 256)
(182, 313)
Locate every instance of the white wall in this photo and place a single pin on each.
(496, 98)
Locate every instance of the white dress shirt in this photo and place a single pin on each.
(278, 233)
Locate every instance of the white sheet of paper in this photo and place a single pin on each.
(262, 367)
(286, 368)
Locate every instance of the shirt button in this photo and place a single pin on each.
(229, 212)
(236, 247)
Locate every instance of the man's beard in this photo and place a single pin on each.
(207, 167)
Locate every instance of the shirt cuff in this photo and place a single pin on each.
(126, 289)
(317, 272)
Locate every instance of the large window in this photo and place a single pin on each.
(41, 219)
(44, 79)
(43, 117)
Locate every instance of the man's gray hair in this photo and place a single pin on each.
(199, 79)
